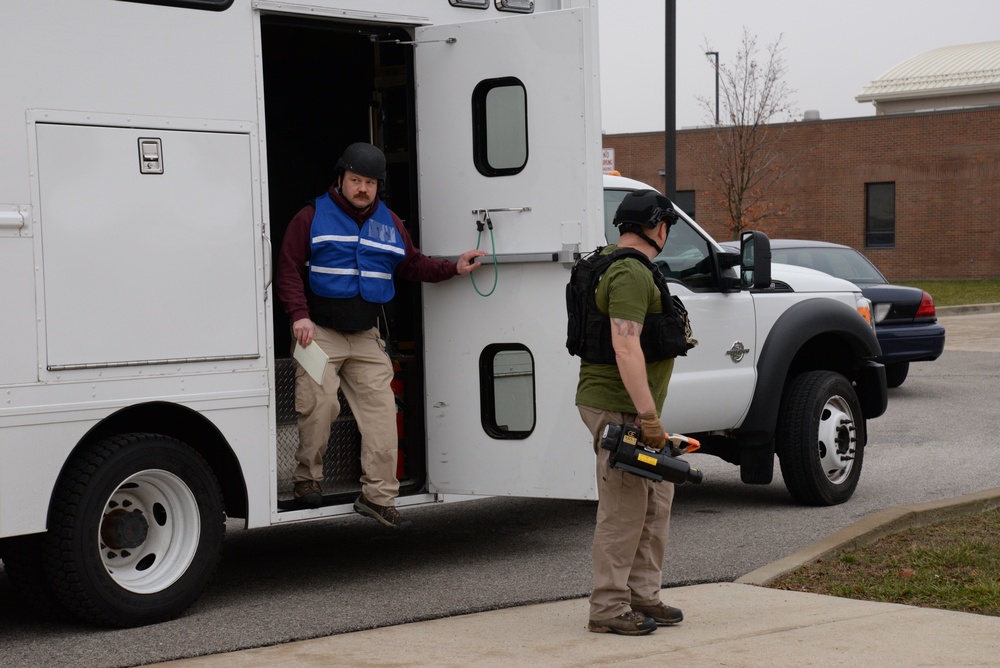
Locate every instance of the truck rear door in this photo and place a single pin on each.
(508, 128)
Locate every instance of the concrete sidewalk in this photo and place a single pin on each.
(726, 624)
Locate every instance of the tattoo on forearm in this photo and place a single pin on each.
(626, 327)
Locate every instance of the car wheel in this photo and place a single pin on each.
(135, 530)
(821, 439)
(895, 373)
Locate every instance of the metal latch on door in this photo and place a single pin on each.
(150, 156)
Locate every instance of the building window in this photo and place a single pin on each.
(500, 127)
(685, 200)
(880, 215)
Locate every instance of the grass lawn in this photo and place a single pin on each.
(959, 293)
(953, 565)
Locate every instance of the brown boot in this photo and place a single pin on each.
(661, 613)
(631, 623)
(384, 515)
(308, 493)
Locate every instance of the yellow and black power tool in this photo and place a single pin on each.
(629, 454)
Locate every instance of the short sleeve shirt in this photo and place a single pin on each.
(626, 290)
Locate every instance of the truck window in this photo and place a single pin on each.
(507, 379)
(685, 257)
(612, 198)
(500, 127)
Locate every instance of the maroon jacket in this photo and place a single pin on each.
(292, 276)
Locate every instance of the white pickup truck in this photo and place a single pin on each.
(785, 361)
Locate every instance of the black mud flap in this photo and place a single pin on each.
(871, 388)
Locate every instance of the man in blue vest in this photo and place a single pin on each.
(335, 272)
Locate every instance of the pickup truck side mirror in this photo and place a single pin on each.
(722, 261)
(755, 260)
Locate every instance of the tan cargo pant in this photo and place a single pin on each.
(630, 537)
(360, 366)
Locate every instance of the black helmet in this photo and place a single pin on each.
(645, 208)
(364, 159)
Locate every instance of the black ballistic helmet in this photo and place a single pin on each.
(645, 208)
(364, 159)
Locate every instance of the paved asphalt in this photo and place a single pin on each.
(730, 623)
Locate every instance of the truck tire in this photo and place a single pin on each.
(22, 561)
(135, 530)
(821, 439)
(896, 373)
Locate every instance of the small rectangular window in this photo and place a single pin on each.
(507, 391)
(880, 215)
(211, 5)
(500, 127)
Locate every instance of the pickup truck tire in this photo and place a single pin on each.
(820, 440)
(895, 373)
(135, 530)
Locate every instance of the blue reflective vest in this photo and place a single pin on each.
(345, 261)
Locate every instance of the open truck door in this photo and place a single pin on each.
(522, 162)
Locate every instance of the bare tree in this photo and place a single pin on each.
(747, 163)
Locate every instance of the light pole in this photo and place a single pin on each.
(716, 54)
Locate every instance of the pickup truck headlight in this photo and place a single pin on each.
(864, 306)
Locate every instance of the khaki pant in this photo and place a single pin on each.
(360, 366)
(630, 538)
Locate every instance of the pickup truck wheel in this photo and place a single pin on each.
(821, 439)
(135, 530)
(896, 373)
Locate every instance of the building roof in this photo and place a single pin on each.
(966, 75)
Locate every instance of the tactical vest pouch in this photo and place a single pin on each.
(667, 335)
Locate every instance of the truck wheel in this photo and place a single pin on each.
(895, 373)
(821, 439)
(135, 530)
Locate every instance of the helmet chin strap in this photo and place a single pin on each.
(659, 249)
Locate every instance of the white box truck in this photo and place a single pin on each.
(153, 153)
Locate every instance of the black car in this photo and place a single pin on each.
(905, 319)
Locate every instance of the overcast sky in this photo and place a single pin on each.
(832, 50)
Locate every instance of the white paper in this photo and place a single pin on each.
(313, 360)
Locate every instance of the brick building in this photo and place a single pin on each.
(917, 191)
(944, 169)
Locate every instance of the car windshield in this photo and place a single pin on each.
(845, 263)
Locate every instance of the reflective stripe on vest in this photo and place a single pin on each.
(346, 262)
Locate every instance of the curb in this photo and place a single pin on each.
(967, 309)
(869, 529)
